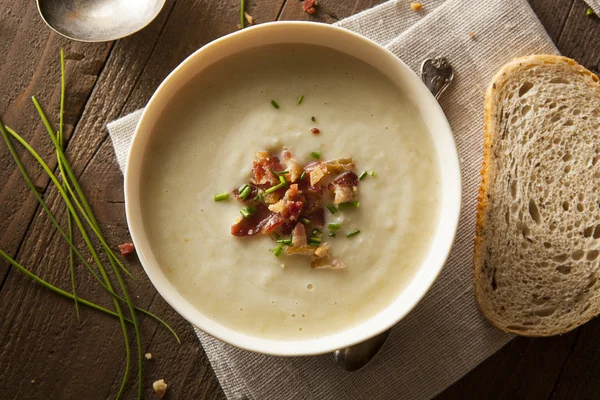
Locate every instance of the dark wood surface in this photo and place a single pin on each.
(45, 352)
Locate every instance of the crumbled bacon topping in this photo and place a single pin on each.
(309, 6)
(126, 249)
(295, 205)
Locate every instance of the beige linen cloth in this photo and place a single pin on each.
(445, 336)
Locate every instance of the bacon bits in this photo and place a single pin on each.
(310, 6)
(315, 131)
(345, 187)
(126, 249)
(262, 166)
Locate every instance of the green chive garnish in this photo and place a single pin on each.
(332, 234)
(313, 244)
(300, 100)
(334, 227)
(348, 204)
(332, 208)
(363, 175)
(275, 104)
(283, 172)
(315, 240)
(241, 189)
(305, 221)
(372, 173)
(303, 175)
(316, 155)
(281, 179)
(353, 233)
(274, 188)
(245, 193)
(589, 12)
(221, 196)
(276, 235)
(287, 242)
(316, 232)
(274, 173)
(247, 211)
(313, 119)
(259, 196)
(277, 251)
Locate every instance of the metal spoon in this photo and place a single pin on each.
(436, 74)
(98, 20)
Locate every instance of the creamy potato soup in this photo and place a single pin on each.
(205, 143)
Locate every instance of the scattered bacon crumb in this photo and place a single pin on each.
(126, 249)
(315, 131)
(262, 166)
(249, 18)
(416, 6)
(160, 387)
(472, 35)
(292, 165)
(310, 6)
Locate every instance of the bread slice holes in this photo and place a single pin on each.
(507, 217)
(591, 283)
(567, 169)
(559, 80)
(577, 255)
(587, 232)
(494, 283)
(595, 160)
(579, 207)
(555, 118)
(581, 196)
(564, 269)
(592, 255)
(547, 245)
(565, 205)
(552, 105)
(513, 189)
(560, 258)
(534, 212)
(525, 87)
(568, 122)
(597, 174)
(552, 226)
(538, 301)
(525, 110)
(597, 232)
(545, 312)
(567, 157)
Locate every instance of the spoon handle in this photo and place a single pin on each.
(436, 74)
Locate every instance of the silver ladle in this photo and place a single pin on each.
(98, 20)
(436, 74)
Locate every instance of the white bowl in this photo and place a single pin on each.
(406, 80)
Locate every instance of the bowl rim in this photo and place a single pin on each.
(341, 339)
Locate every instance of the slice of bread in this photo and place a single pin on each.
(537, 246)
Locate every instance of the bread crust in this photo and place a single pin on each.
(487, 174)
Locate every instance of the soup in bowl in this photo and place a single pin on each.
(292, 189)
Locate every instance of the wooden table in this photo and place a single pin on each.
(44, 351)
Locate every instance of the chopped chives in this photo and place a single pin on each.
(276, 235)
(281, 179)
(247, 211)
(313, 119)
(313, 244)
(334, 227)
(283, 172)
(245, 193)
(348, 204)
(372, 173)
(241, 189)
(300, 100)
(221, 196)
(274, 173)
(305, 221)
(316, 155)
(274, 103)
(363, 175)
(315, 240)
(316, 232)
(259, 196)
(353, 233)
(332, 208)
(303, 175)
(287, 242)
(274, 188)
(277, 251)
(332, 234)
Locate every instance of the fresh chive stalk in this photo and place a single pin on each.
(332, 209)
(276, 235)
(300, 100)
(242, 9)
(247, 211)
(276, 187)
(274, 103)
(348, 204)
(315, 155)
(353, 233)
(221, 196)
(277, 251)
(334, 227)
(363, 175)
(373, 173)
(303, 175)
(282, 179)
(305, 221)
(315, 240)
(245, 193)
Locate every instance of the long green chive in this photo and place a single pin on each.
(348, 204)
(315, 240)
(273, 172)
(313, 244)
(277, 251)
(353, 233)
(332, 234)
(285, 241)
(242, 9)
(300, 100)
(52, 218)
(282, 179)
(305, 221)
(315, 155)
(221, 196)
(274, 188)
(332, 208)
(247, 211)
(334, 227)
(283, 172)
(276, 235)
(243, 187)
(245, 193)
(363, 175)
(274, 103)
(302, 175)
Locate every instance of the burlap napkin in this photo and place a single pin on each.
(445, 336)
